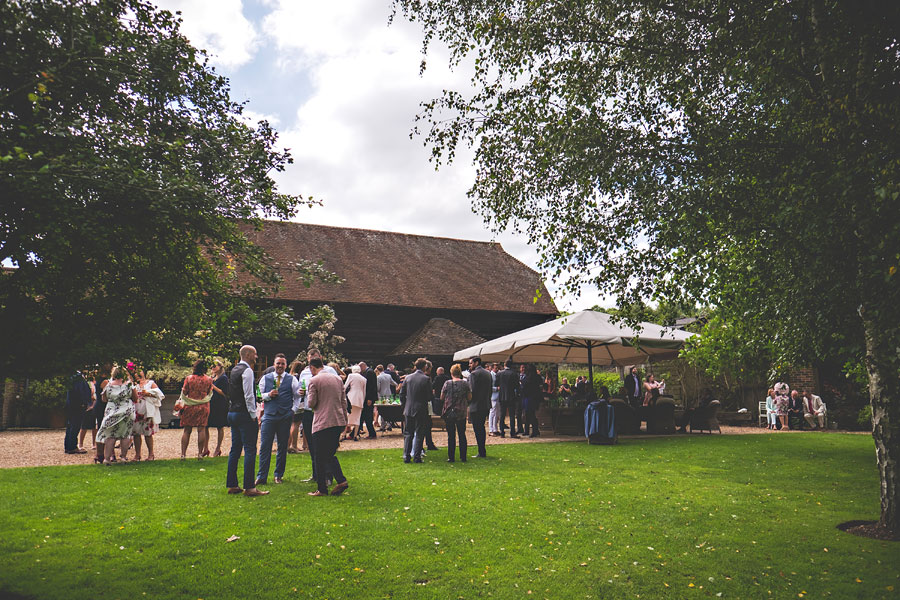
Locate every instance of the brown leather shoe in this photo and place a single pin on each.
(279, 480)
(316, 493)
(255, 492)
(236, 490)
(339, 489)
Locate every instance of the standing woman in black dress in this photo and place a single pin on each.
(218, 406)
(100, 383)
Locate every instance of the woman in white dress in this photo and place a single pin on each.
(118, 419)
(355, 387)
(146, 413)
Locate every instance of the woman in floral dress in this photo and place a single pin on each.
(146, 413)
(118, 419)
(195, 395)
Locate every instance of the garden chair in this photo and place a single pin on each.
(662, 416)
(706, 418)
(627, 421)
(762, 419)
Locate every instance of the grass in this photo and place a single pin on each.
(694, 516)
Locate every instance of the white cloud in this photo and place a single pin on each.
(349, 135)
(219, 27)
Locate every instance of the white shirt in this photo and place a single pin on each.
(247, 384)
(306, 375)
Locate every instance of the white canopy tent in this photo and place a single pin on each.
(587, 337)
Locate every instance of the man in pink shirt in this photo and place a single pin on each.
(325, 396)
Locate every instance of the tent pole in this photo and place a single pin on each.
(590, 369)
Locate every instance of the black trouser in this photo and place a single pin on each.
(414, 434)
(326, 442)
(307, 429)
(510, 408)
(531, 422)
(520, 416)
(454, 427)
(477, 419)
(367, 418)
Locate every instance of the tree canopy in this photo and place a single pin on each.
(740, 155)
(125, 171)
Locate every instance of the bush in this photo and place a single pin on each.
(609, 379)
(46, 394)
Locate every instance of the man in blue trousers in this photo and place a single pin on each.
(281, 397)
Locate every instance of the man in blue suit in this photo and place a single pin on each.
(281, 396)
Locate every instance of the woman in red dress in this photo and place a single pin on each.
(195, 395)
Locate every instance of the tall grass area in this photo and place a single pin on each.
(691, 516)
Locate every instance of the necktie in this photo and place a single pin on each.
(277, 381)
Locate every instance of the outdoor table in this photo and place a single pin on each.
(392, 413)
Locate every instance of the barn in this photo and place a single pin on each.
(402, 293)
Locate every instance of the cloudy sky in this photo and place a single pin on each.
(343, 88)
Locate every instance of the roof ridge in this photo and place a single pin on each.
(419, 235)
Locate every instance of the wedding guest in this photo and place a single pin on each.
(455, 397)
(771, 409)
(308, 413)
(296, 442)
(494, 415)
(429, 424)
(146, 413)
(100, 382)
(78, 398)
(118, 420)
(795, 411)
(565, 391)
(218, 406)
(195, 395)
(651, 390)
(325, 396)
(415, 395)
(355, 388)
(510, 398)
(280, 397)
(368, 410)
(632, 386)
(532, 392)
(89, 420)
(481, 383)
(813, 410)
(244, 424)
(781, 404)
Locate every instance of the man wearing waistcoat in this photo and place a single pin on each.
(280, 396)
(244, 424)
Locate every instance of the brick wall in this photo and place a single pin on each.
(801, 378)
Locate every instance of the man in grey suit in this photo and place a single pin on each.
(482, 385)
(415, 394)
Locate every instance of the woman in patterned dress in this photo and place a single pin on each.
(146, 413)
(195, 395)
(118, 419)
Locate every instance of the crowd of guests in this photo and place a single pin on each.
(307, 406)
(785, 407)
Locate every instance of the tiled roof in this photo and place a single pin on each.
(380, 267)
(437, 337)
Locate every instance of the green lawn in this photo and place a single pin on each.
(692, 516)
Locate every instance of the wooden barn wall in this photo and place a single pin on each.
(374, 331)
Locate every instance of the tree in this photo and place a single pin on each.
(740, 155)
(126, 173)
